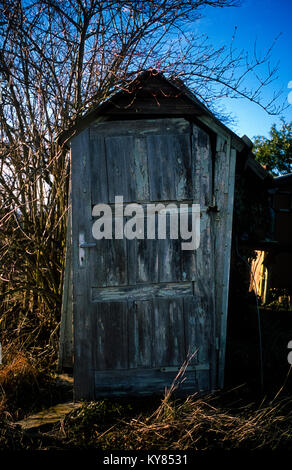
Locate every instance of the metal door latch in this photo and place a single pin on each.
(87, 245)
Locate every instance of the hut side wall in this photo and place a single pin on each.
(224, 179)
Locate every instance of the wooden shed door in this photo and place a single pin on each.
(141, 305)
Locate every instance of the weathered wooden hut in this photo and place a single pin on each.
(142, 306)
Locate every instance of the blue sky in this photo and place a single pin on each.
(260, 20)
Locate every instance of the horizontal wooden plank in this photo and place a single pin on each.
(150, 207)
(144, 127)
(141, 292)
(149, 105)
(147, 382)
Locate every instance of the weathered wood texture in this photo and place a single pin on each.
(144, 305)
(226, 271)
(224, 177)
(65, 359)
(81, 230)
(147, 381)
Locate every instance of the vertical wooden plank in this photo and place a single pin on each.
(141, 176)
(132, 261)
(147, 261)
(168, 332)
(98, 263)
(81, 226)
(108, 263)
(169, 254)
(127, 168)
(196, 166)
(183, 166)
(110, 336)
(226, 266)
(198, 330)
(98, 170)
(161, 164)
(202, 167)
(120, 166)
(188, 259)
(221, 169)
(190, 329)
(141, 334)
(143, 261)
(200, 333)
(204, 294)
(65, 359)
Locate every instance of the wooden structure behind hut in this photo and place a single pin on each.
(274, 258)
(142, 306)
(280, 276)
(252, 228)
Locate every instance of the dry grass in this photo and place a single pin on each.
(19, 377)
(194, 423)
(197, 424)
(16, 370)
(26, 385)
(202, 424)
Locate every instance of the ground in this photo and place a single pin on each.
(243, 416)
